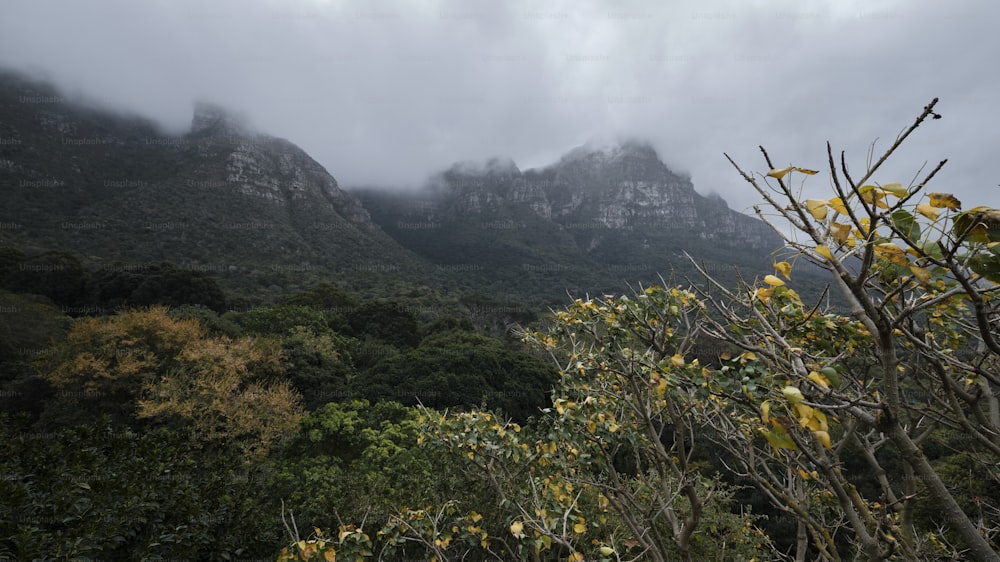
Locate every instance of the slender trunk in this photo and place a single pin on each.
(801, 542)
(978, 547)
(994, 409)
(906, 510)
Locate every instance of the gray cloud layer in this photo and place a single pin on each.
(389, 92)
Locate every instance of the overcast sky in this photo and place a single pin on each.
(389, 92)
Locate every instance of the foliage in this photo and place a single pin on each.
(118, 285)
(103, 491)
(54, 274)
(319, 366)
(813, 389)
(387, 321)
(280, 320)
(29, 327)
(458, 368)
(355, 461)
(146, 364)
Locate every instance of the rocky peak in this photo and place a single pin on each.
(600, 163)
(494, 166)
(611, 150)
(215, 119)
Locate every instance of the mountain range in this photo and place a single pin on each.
(258, 212)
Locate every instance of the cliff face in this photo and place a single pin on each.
(222, 197)
(596, 193)
(599, 214)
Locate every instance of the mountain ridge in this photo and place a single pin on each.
(258, 211)
(221, 198)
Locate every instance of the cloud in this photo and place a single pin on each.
(391, 92)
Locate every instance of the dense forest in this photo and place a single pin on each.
(147, 414)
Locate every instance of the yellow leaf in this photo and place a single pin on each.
(922, 274)
(824, 251)
(677, 360)
(928, 211)
(895, 188)
(575, 557)
(807, 171)
(873, 195)
(805, 414)
(819, 421)
(803, 474)
(837, 204)
(517, 529)
(778, 174)
(765, 411)
(823, 437)
(784, 268)
(580, 528)
(819, 379)
(945, 201)
(748, 356)
(891, 252)
(840, 232)
(792, 394)
(606, 550)
(330, 555)
(763, 294)
(817, 208)
(773, 281)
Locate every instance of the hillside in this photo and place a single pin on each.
(222, 198)
(594, 220)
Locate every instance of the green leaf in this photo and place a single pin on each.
(932, 249)
(895, 188)
(906, 223)
(779, 438)
(987, 265)
(981, 223)
(831, 375)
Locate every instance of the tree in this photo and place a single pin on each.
(164, 283)
(57, 275)
(103, 491)
(145, 364)
(814, 390)
(611, 471)
(458, 368)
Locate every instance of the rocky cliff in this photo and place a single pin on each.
(596, 217)
(221, 198)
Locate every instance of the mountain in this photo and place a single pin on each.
(599, 217)
(259, 213)
(222, 198)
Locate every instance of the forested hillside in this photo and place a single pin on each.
(151, 410)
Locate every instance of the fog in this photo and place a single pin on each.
(387, 93)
